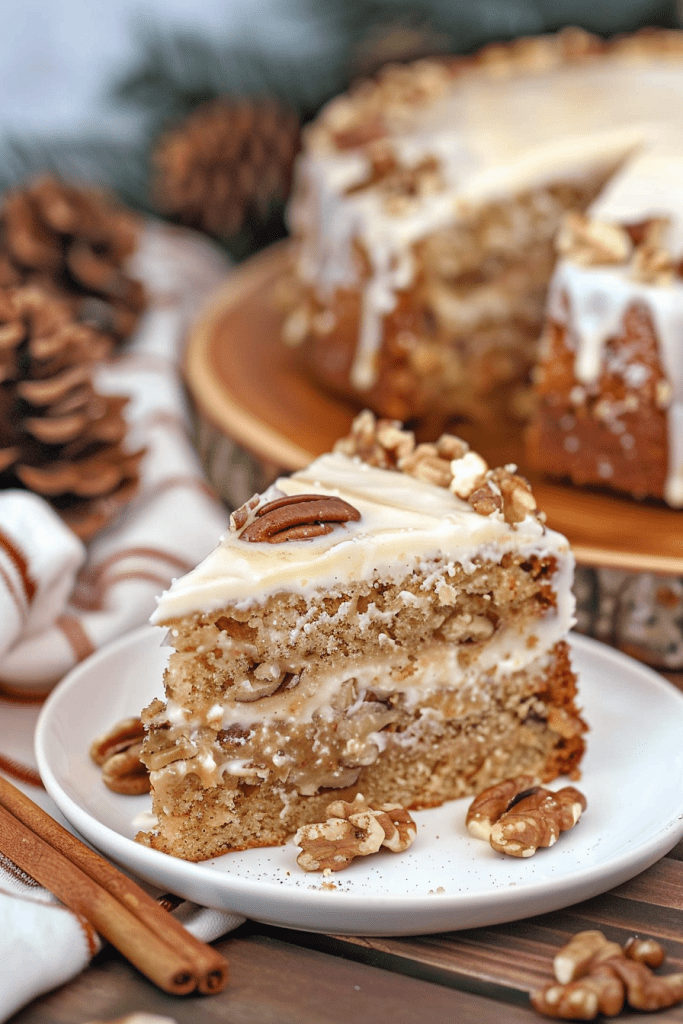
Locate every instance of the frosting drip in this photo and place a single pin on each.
(598, 300)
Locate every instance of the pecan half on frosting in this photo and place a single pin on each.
(298, 517)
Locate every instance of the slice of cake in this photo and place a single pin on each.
(391, 620)
(609, 384)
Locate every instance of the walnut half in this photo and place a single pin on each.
(594, 975)
(117, 752)
(518, 818)
(353, 830)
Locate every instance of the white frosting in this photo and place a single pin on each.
(438, 667)
(494, 137)
(403, 521)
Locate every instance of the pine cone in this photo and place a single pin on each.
(58, 436)
(228, 161)
(77, 241)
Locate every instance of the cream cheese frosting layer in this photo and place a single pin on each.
(403, 522)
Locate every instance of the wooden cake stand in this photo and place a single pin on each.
(260, 415)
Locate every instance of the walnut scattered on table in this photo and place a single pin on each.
(596, 976)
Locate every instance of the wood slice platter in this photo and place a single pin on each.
(249, 389)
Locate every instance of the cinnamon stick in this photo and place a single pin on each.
(153, 940)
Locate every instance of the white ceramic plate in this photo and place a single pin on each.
(632, 778)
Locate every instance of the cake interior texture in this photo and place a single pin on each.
(415, 678)
(462, 337)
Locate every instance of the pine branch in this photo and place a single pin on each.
(119, 167)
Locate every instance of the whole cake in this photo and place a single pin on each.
(390, 621)
(427, 206)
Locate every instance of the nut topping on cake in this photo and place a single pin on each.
(652, 262)
(591, 242)
(298, 517)
(380, 443)
(641, 245)
(447, 463)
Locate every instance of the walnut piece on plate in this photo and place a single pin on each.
(517, 817)
(353, 830)
(117, 752)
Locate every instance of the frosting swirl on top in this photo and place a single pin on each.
(403, 521)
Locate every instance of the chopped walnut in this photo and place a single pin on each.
(518, 818)
(242, 515)
(653, 264)
(518, 499)
(397, 183)
(353, 830)
(594, 975)
(333, 844)
(582, 952)
(537, 821)
(117, 752)
(644, 989)
(446, 463)
(380, 443)
(600, 992)
(488, 806)
(394, 440)
(645, 951)
(503, 490)
(593, 243)
(425, 463)
(487, 499)
(399, 828)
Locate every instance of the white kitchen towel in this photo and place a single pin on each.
(45, 944)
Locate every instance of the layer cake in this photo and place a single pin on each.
(391, 620)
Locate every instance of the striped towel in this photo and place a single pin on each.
(60, 600)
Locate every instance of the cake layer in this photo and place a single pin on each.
(255, 784)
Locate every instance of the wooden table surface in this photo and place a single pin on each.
(483, 975)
